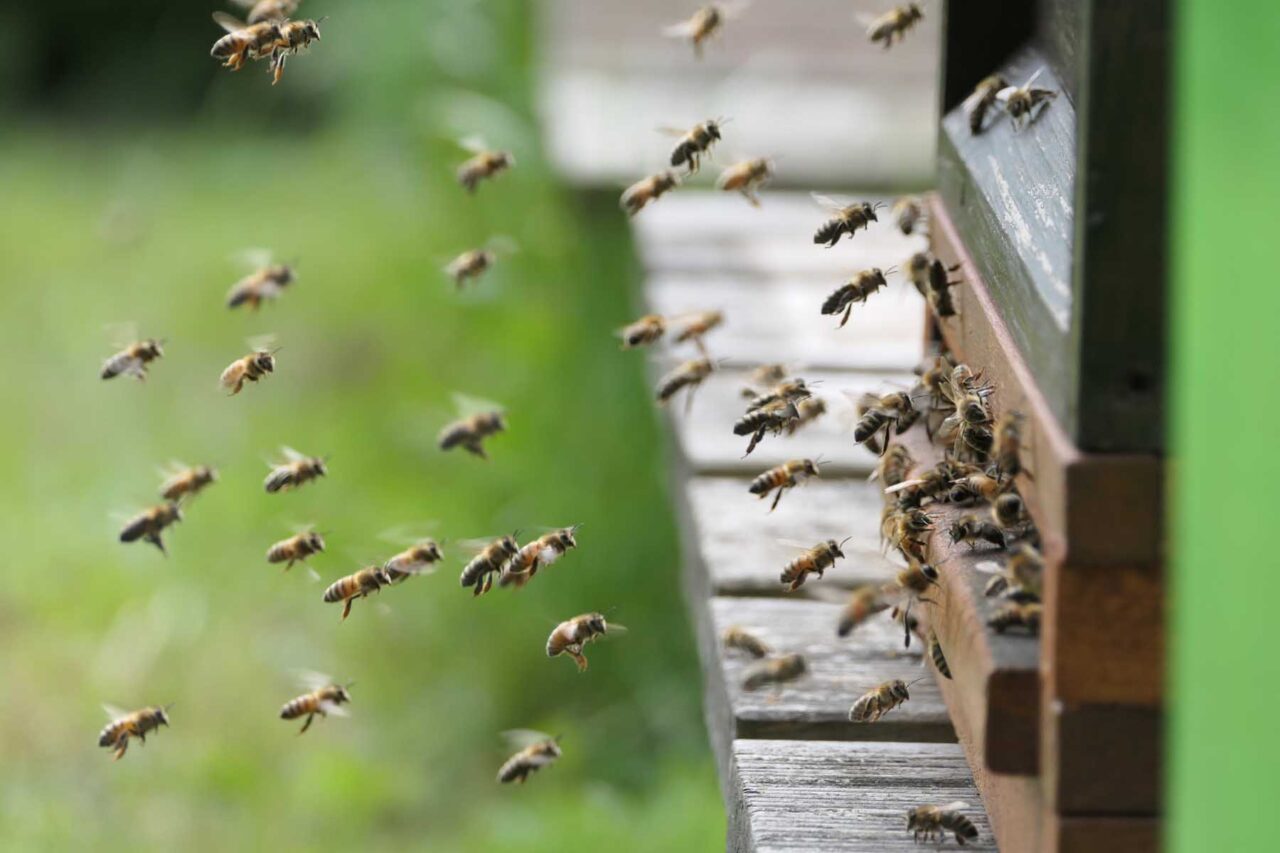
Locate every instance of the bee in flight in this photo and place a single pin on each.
(694, 143)
(1020, 102)
(646, 190)
(322, 698)
(268, 10)
(694, 327)
(864, 602)
(845, 219)
(149, 524)
(535, 751)
(418, 559)
(939, 288)
(484, 164)
(878, 701)
(773, 417)
(265, 284)
(690, 375)
(134, 724)
(894, 24)
(743, 640)
(248, 368)
(244, 41)
(705, 23)
(933, 822)
(480, 420)
(487, 562)
(571, 635)
(185, 482)
(814, 561)
(746, 177)
(978, 104)
(359, 584)
(908, 214)
(855, 290)
(475, 262)
(297, 469)
(543, 551)
(296, 548)
(294, 36)
(133, 360)
(647, 330)
(774, 671)
(788, 475)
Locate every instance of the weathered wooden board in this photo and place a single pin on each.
(849, 797)
(738, 539)
(704, 433)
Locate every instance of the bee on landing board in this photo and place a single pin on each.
(936, 655)
(973, 530)
(978, 104)
(933, 822)
(694, 143)
(474, 263)
(778, 670)
(543, 551)
(149, 524)
(297, 469)
(814, 561)
(637, 196)
(746, 177)
(894, 466)
(878, 701)
(1007, 452)
(939, 288)
(265, 284)
(134, 724)
(743, 640)
(248, 368)
(1020, 102)
(359, 584)
(296, 548)
(688, 375)
(1025, 615)
(705, 23)
(853, 291)
(908, 214)
(186, 482)
(894, 24)
(480, 570)
(786, 476)
(572, 635)
(484, 164)
(536, 751)
(133, 360)
(845, 219)
(243, 41)
(322, 698)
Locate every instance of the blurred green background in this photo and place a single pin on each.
(132, 171)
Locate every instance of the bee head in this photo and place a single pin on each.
(311, 30)
(899, 689)
(315, 541)
(566, 538)
(913, 11)
(342, 695)
(510, 545)
(912, 818)
(713, 129)
(957, 530)
(596, 622)
(162, 715)
(428, 551)
(929, 571)
(264, 361)
(206, 474)
(319, 467)
(811, 467)
(153, 348)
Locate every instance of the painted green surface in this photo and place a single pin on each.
(1224, 741)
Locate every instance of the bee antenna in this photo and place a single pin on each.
(891, 270)
(844, 540)
(914, 681)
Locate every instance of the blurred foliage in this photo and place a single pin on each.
(347, 169)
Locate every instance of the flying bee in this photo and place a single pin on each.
(978, 104)
(809, 410)
(694, 327)
(570, 636)
(294, 36)
(864, 602)
(475, 262)
(249, 368)
(973, 530)
(264, 284)
(359, 584)
(1020, 102)
(484, 164)
(894, 24)
(133, 360)
(893, 411)
(244, 41)
(878, 701)
(536, 751)
(1024, 615)
(323, 698)
(481, 419)
(746, 177)
(647, 330)
(772, 417)
(743, 640)
(543, 551)
(417, 559)
(916, 270)
(908, 213)
(183, 482)
(296, 548)
(297, 470)
(688, 375)
(815, 560)
(788, 475)
(149, 524)
(939, 295)
(134, 724)
(855, 290)
(704, 23)
(1008, 511)
(846, 219)
(1007, 452)
(694, 143)
(936, 655)
(774, 671)
(764, 376)
(792, 390)
(916, 579)
(933, 822)
(480, 570)
(646, 190)
(894, 466)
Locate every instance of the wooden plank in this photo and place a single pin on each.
(738, 538)
(851, 797)
(1103, 759)
(1105, 835)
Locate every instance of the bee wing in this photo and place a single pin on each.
(228, 22)
(475, 546)
(312, 679)
(244, 4)
(290, 454)
(668, 130)
(466, 405)
(408, 534)
(684, 29)
(956, 806)
(522, 738)
(1033, 77)
(795, 543)
(334, 708)
(828, 203)
(114, 713)
(615, 628)
(475, 143)
(313, 575)
(502, 244)
(262, 342)
(1005, 94)
(733, 8)
(121, 334)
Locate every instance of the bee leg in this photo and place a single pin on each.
(777, 498)
(476, 449)
(154, 539)
(307, 724)
(121, 746)
(580, 659)
(346, 607)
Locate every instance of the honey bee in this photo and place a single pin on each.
(647, 330)
(1020, 102)
(894, 466)
(894, 24)
(974, 441)
(917, 271)
(296, 548)
(543, 551)
(878, 701)
(864, 602)
(815, 560)
(1007, 452)
(638, 195)
(704, 24)
(916, 579)
(484, 164)
(694, 143)
(694, 327)
(133, 360)
(359, 584)
(297, 470)
(893, 411)
(939, 295)
(481, 421)
(933, 822)
(1022, 577)
(936, 483)
(187, 482)
(908, 213)
(936, 655)
(688, 375)
(149, 524)
(746, 177)
(294, 36)
(976, 486)
(324, 698)
(772, 417)
(774, 671)
(572, 635)
(1008, 511)
(972, 530)
(264, 284)
(134, 724)
(244, 41)
(764, 376)
(536, 751)
(907, 530)
(417, 559)
(808, 410)
(855, 290)
(1017, 615)
(480, 570)
(249, 368)
(788, 475)
(474, 263)
(743, 640)
(268, 10)
(978, 104)
(846, 219)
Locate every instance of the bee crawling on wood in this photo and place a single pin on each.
(638, 196)
(473, 263)
(939, 288)
(487, 562)
(481, 420)
(880, 700)
(149, 524)
(705, 23)
(572, 635)
(933, 822)
(853, 291)
(356, 585)
(815, 561)
(322, 698)
(484, 164)
(536, 751)
(895, 412)
(134, 724)
(1020, 102)
(973, 530)
(984, 96)
(296, 549)
(1024, 615)
(183, 481)
(776, 670)
(689, 375)
(907, 531)
(543, 551)
(746, 177)
(133, 360)
(908, 214)
(788, 475)
(1007, 452)
(297, 469)
(894, 24)
(845, 219)
(743, 640)
(936, 655)
(694, 143)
